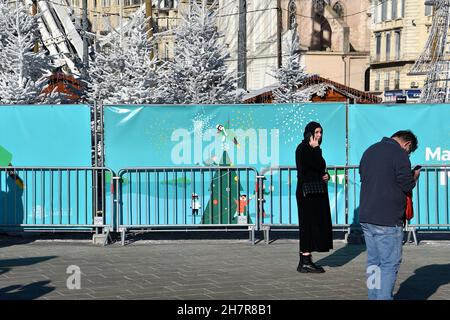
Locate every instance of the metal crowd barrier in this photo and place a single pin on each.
(280, 205)
(162, 199)
(55, 198)
(430, 200)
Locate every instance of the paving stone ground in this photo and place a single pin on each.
(208, 269)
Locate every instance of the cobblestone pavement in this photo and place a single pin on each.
(207, 269)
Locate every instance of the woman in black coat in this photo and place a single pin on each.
(314, 214)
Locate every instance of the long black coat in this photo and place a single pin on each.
(314, 210)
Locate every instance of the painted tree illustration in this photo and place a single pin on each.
(225, 190)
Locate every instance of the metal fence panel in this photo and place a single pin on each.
(430, 198)
(152, 197)
(280, 204)
(55, 198)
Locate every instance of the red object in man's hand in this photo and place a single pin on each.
(409, 214)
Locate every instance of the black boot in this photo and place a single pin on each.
(307, 265)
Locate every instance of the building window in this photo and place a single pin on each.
(397, 80)
(339, 9)
(166, 52)
(428, 10)
(377, 82)
(377, 46)
(292, 15)
(383, 10)
(394, 9)
(386, 81)
(398, 38)
(388, 46)
(376, 16)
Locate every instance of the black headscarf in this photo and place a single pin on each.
(311, 128)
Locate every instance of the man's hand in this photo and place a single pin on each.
(416, 174)
(326, 177)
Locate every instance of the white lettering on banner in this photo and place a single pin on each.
(263, 143)
(211, 149)
(438, 154)
(252, 138)
(198, 141)
(181, 152)
(444, 177)
(243, 146)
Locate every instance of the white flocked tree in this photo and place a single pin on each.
(198, 73)
(23, 71)
(125, 71)
(291, 75)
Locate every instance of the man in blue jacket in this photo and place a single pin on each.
(386, 177)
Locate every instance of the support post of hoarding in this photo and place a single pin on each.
(346, 175)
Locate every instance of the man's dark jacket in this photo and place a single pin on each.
(386, 176)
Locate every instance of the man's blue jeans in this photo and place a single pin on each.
(384, 255)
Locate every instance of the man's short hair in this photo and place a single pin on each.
(407, 136)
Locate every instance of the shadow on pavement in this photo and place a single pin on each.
(24, 261)
(354, 247)
(342, 256)
(13, 240)
(424, 282)
(26, 292)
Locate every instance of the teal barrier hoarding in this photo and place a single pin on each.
(258, 136)
(253, 135)
(44, 136)
(368, 124)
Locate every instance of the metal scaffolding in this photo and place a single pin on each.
(435, 59)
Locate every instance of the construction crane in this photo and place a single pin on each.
(59, 34)
(63, 37)
(434, 62)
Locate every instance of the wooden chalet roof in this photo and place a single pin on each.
(335, 92)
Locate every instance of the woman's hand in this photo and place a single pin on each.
(314, 141)
(326, 177)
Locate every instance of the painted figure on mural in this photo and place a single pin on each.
(195, 204)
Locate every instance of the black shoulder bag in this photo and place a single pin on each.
(316, 187)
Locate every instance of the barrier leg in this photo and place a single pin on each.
(347, 234)
(252, 235)
(413, 231)
(408, 238)
(107, 237)
(123, 236)
(266, 231)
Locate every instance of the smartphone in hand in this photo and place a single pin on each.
(418, 167)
